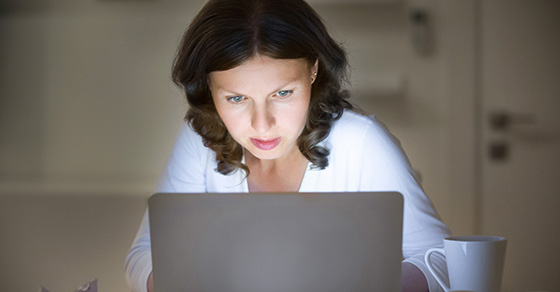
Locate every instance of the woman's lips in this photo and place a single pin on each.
(265, 144)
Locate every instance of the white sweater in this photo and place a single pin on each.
(364, 157)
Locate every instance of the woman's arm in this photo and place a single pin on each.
(184, 172)
(388, 168)
(139, 259)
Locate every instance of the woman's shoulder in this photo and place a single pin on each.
(362, 133)
(353, 125)
(189, 142)
(187, 133)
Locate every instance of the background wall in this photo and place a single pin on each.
(87, 100)
(87, 107)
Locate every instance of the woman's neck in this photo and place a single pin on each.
(277, 175)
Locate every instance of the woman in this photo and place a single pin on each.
(267, 113)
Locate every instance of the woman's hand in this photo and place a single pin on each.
(412, 279)
(151, 283)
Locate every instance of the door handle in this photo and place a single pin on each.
(503, 120)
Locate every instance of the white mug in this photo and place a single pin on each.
(474, 263)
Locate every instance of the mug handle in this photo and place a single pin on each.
(428, 261)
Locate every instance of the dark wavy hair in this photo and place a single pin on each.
(225, 34)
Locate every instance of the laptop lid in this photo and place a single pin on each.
(296, 242)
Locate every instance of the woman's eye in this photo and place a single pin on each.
(284, 93)
(236, 99)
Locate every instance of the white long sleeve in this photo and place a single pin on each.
(184, 172)
(139, 260)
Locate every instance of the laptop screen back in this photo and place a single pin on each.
(276, 242)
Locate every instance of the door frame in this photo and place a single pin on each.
(460, 31)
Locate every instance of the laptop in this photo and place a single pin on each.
(276, 242)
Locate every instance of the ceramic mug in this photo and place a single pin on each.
(474, 263)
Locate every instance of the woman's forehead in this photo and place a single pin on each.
(263, 62)
(262, 68)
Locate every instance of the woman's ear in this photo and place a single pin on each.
(316, 66)
(314, 71)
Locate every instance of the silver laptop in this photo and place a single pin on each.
(298, 242)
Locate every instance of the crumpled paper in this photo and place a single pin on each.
(87, 287)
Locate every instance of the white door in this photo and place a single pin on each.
(520, 151)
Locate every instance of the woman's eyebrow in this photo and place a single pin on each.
(227, 91)
(283, 87)
(235, 92)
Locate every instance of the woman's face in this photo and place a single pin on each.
(263, 103)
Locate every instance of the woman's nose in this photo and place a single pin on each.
(262, 120)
